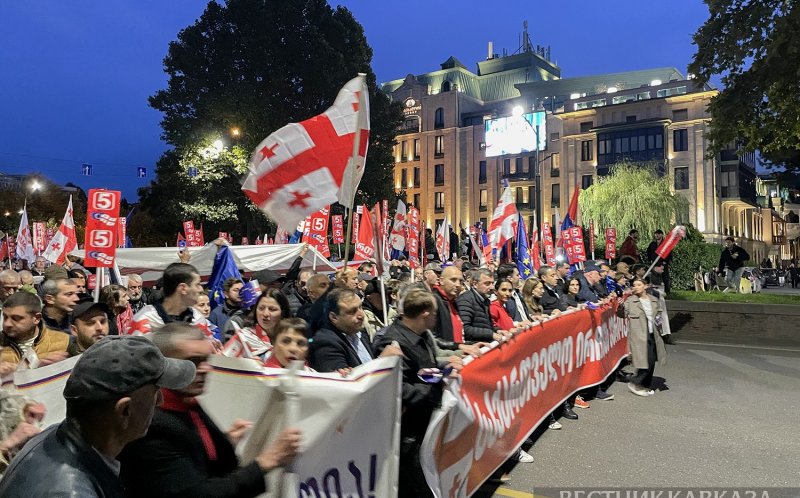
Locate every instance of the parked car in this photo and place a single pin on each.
(771, 277)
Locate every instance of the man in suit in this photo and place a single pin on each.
(552, 300)
(184, 453)
(340, 344)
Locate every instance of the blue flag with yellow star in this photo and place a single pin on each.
(523, 256)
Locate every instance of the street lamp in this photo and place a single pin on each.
(35, 185)
(235, 132)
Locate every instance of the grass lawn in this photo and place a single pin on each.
(719, 297)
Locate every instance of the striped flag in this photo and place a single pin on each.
(504, 223)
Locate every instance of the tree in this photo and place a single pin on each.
(692, 253)
(630, 197)
(753, 45)
(254, 66)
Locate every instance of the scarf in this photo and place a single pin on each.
(174, 403)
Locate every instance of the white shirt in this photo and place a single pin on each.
(647, 305)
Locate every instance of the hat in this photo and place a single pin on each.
(373, 287)
(267, 276)
(55, 272)
(116, 366)
(86, 303)
(364, 277)
(434, 267)
(591, 266)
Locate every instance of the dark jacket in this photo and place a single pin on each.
(419, 398)
(219, 316)
(444, 323)
(587, 293)
(733, 258)
(474, 312)
(59, 462)
(172, 461)
(296, 300)
(552, 300)
(330, 350)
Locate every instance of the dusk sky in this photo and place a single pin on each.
(75, 76)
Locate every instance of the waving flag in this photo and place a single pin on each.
(365, 247)
(523, 256)
(224, 268)
(504, 223)
(571, 218)
(670, 241)
(305, 166)
(443, 240)
(397, 237)
(24, 240)
(64, 241)
(536, 253)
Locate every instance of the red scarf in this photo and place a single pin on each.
(458, 325)
(261, 333)
(174, 403)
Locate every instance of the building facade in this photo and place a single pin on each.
(446, 167)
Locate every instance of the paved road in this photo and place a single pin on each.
(725, 416)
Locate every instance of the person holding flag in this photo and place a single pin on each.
(658, 239)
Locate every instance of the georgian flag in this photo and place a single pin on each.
(24, 240)
(397, 237)
(305, 166)
(64, 241)
(504, 223)
(443, 241)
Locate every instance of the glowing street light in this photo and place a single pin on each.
(517, 111)
(235, 132)
(36, 185)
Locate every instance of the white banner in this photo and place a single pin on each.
(46, 385)
(350, 426)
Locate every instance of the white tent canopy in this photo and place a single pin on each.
(150, 262)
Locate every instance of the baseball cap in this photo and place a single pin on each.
(85, 304)
(55, 272)
(116, 366)
(434, 267)
(591, 267)
(364, 277)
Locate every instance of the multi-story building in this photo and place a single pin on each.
(457, 146)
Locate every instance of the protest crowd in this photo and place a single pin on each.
(434, 302)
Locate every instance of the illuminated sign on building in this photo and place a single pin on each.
(411, 107)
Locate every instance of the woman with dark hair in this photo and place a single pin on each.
(258, 326)
(116, 298)
(497, 309)
(532, 293)
(289, 343)
(573, 288)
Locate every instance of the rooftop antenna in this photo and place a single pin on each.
(526, 40)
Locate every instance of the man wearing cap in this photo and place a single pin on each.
(588, 280)
(111, 395)
(60, 297)
(181, 290)
(430, 276)
(26, 337)
(89, 325)
(184, 453)
(269, 279)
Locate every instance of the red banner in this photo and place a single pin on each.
(122, 231)
(191, 234)
(572, 240)
(338, 228)
(549, 246)
(102, 212)
(356, 218)
(315, 233)
(39, 236)
(412, 240)
(501, 397)
(365, 245)
(11, 242)
(50, 234)
(591, 237)
(611, 243)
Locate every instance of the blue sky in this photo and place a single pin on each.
(75, 76)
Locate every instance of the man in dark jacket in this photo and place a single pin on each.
(184, 453)
(419, 397)
(473, 308)
(231, 305)
(588, 279)
(111, 394)
(340, 345)
(296, 291)
(732, 262)
(658, 238)
(552, 299)
(448, 325)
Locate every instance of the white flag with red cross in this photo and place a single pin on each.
(305, 166)
(64, 241)
(503, 226)
(397, 238)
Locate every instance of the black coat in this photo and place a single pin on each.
(171, 461)
(733, 258)
(419, 398)
(330, 350)
(444, 323)
(588, 293)
(552, 300)
(59, 462)
(474, 312)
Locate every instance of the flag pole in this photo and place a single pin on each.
(348, 236)
(651, 266)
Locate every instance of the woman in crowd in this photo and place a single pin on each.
(497, 310)
(203, 305)
(532, 293)
(644, 338)
(258, 326)
(573, 288)
(289, 343)
(116, 298)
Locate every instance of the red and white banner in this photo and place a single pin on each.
(385, 216)
(503, 226)
(611, 243)
(365, 244)
(356, 215)
(122, 231)
(443, 241)
(50, 234)
(549, 245)
(315, 233)
(591, 237)
(191, 234)
(201, 239)
(412, 241)
(306, 166)
(397, 237)
(102, 212)
(572, 240)
(502, 396)
(11, 244)
(535, 250)
(337, 222)
(24, 240)
(64, 241)
(39, 236)
(668, 244)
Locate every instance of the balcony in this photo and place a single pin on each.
(779, 240)
(517, 177)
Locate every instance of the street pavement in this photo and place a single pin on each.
(722, 416)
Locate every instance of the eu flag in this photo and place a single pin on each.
(523, 256)
(224, 268)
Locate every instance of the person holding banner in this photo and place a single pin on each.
(644, 337)
(552, 300)
(184, 453)
(111, 395)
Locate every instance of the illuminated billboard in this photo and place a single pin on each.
(516, 134)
